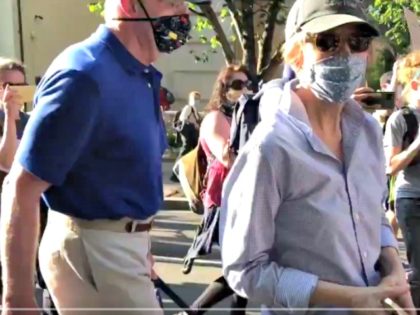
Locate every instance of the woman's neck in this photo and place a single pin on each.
(323, 116)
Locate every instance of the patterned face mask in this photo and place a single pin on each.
(335, 79)
(170, 32)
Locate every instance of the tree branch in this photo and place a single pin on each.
(236, 19)
(218, 29)
(267, 39)
(236, 15)
(197, 13)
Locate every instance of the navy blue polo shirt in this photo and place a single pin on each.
(96, 133)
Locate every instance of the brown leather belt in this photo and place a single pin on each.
(124, 225)
(133, 226)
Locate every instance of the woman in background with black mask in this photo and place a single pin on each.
(232, 82)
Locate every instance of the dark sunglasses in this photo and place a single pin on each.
(330, 42)
(239, 85)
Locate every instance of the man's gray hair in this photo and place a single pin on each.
(7, 64)
(112, 10)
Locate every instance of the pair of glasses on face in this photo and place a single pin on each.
(5, 84)
(330, 42)
(239, 85)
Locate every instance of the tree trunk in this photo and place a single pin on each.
(248, 34)
(269, 72)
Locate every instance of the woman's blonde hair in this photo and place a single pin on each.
(409, 70)
(293, 50)
(409, 67)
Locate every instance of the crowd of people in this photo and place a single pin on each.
(298, 211)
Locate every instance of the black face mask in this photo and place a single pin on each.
(170, 32)
(227, 109)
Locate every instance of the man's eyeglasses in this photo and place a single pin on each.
(4, 84)
(239, 85)
(330, 42)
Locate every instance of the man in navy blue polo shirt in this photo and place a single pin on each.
(93, 147)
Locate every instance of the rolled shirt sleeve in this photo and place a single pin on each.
(387, 236)
(66, 107)
(252, 197)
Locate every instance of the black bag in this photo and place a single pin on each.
(246, 115)
(412, 126)
(175, 121)
(412, 130)
(245, 118)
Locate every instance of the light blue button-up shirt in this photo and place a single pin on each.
(293, 214)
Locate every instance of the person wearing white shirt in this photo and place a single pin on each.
(188, 123)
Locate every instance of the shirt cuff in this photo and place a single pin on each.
(295, 289)
(387, 237)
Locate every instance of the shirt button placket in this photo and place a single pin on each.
(146, 72)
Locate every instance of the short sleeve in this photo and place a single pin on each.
(395, 130)
(66, 107)
(185, 113)
(21, 124)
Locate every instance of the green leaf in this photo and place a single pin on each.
(96, 7)
(390, 13)
(214, 43)
(203, 39)
(192, 6)
(224, 13)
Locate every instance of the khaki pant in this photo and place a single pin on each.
(96, 268)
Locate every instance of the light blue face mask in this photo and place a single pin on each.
(335, 78)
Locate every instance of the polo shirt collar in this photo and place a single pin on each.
(123, 56)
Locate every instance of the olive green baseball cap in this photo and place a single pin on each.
(317, 16)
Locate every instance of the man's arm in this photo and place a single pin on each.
(9, 142)
(19, 235)
(398, 159)
(66, 107)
